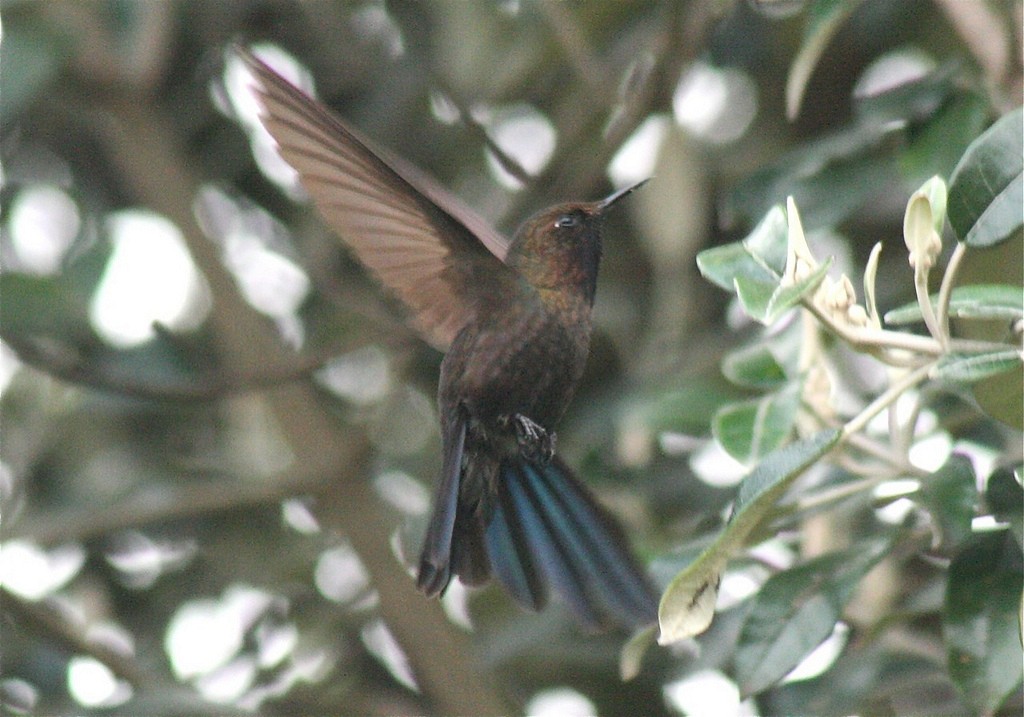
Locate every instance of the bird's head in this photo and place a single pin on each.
(559, 248)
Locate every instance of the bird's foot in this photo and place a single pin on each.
(535, 443)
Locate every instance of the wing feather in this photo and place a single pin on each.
(425, 246)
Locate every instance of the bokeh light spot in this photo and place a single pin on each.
(150, 277)
(560, 702)
(44, 221)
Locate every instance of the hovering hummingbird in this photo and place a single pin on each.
(514, 318)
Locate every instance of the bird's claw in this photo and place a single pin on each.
(535, 443)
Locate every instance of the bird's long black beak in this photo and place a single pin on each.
(606, 203)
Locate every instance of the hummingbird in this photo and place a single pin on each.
(513, 318)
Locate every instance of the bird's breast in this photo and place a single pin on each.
(525, 358)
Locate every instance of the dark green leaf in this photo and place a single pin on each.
(773, 475)
(967, 369)
(986, 189)
(749, 430)
(29, 62)
(980, 622)
(824, 18)
(42, 305)
(828, 178)
(951, 497)
(688, 603)
(915, 99)
(981, 301)
(936, 147)
(688, 408)
(999, 397)
(795, 611)
(1004, 497)
(753, 367)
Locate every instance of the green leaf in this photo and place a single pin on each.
(755, 296)
(829, 178)
(824, 18)
(753, 367)
(981, 301)
(753, 269)
(749, 430)
(936, 147)
(796, 610)
(633, 652)
(765, 303)
(980, 620)
(967, 369)
(29, 62)
(768, 242)
(721, 265)
(987, 185)
(769, 480)
(687, 408)
(918, 93)
(951, 497)
(1004, 498)
(760, 257)
(999, 397)
(688, 603)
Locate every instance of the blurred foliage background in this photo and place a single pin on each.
(219, 438)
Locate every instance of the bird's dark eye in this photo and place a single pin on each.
(567, 220)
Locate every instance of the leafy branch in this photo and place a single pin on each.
(774, 275)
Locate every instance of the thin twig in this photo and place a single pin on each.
(164, 503)
(877, 342)
(891, 394)
(74, 637)
(870, 446)
(584, 63)
(837, 493)
(927, 311)
(191, 388)
(946, 288)
(478, 130)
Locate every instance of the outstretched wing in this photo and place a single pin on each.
(430, 250)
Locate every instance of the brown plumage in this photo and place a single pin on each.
(515, 319)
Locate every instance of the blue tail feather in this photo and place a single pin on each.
(509, 557)
(576, 547)
(558, 563)
(598, 544)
